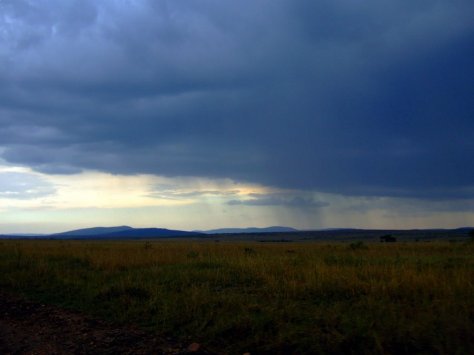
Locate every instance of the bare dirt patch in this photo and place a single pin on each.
(33, 328)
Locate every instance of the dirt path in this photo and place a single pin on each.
(33, 328)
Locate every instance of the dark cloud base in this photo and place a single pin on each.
(373, 99)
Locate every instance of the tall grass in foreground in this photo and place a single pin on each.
(262, 298)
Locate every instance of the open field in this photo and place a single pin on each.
(261, 297)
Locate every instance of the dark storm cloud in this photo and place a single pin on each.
(370, 98)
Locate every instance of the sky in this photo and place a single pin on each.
(216, 113)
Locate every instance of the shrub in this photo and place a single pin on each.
(358, 245)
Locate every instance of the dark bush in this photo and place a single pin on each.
(358, 245)
(388, 238)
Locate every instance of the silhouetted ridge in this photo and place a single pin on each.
(122, 232)
(149, 232)
(92, 231)
(273, 229)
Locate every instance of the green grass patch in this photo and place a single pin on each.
(272, 298)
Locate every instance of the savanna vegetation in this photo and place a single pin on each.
(262, 298)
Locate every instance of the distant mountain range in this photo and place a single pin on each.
(126, 232)
(129, 232)
(123, 232)
(92, 231)
(274, 229)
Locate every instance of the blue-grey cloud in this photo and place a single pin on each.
(23, 186)
(284, 200)
(174, 194)
(365, 99)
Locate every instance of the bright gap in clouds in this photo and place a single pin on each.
(37, 202)
(32, 202)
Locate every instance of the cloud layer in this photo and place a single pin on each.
(22, 186)
(335, 96)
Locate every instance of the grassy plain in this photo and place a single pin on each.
(262, 298)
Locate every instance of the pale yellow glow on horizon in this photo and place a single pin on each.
(100, 190)
(92, 189)
(94, 198)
